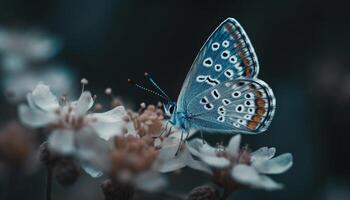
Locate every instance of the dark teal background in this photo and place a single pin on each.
(304, 53)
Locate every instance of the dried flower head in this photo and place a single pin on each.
(133, 154)
(148, 121)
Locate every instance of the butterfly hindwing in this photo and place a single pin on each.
(242, 105)
(226, 55)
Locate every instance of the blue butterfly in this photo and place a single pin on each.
(221, 92)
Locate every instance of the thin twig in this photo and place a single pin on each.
(225, 195)
(10, 188)
(48, 183)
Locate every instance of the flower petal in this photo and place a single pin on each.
(218, 162)
(233, 146)
(206, 153)
(34, 117)
(89, 146)
(117, 114)
(111, 123)
(197, 148)
(276, 165)
(43, 98)
(264, 153)
(198, 165)
(245, 174)
(194, 146)
(62, 141)
(167, 161)
(150, 181)
(91, 170)
(267, 183)
(84, 103)
(107, 130)
(177, 132)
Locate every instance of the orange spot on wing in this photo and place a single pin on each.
(258, 93)
(260, 111)
(256, 118)
(248, 72)
(252, 125)
(260, 102)
(252, 86)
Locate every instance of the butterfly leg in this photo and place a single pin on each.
(169, 132)
(180, 143)
(203, 141)
(163, 131)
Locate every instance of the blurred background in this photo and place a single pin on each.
(303, 49)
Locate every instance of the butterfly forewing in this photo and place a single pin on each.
(242, 105)
(226, 55)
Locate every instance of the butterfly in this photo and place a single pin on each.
(221, 92)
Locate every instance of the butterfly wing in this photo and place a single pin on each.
(241, 105)
(226, 55)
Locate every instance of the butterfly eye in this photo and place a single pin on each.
(171, 109)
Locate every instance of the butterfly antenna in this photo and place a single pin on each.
(147, 90)
(157, 86)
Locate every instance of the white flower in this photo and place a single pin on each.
(150, 181)
(17, 85)
(168, 161)
(245, 168)
(44, 109)
(74, 130)
(85, 145)
(18, 48)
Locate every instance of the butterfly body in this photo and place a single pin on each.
(221, 92)
(179, 119)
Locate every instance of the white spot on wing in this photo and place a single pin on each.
(208, 62)
(225, 43)
(236, 125)
(208, 106)
(215, 46)
(236, 94)
(204, 100)
(226, 102)
(201, 78)
(233, 59)
(218, 67)
(225, 54)
(215, 93)
(240, 108)
(221, 110)
(229, 73)
(221, 118)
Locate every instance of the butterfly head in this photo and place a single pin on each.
(170, 108)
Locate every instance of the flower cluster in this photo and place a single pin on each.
(27, 57)
(235, 167)
(134, 149)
